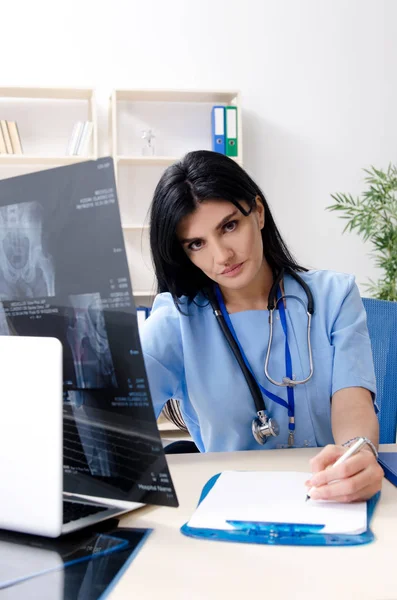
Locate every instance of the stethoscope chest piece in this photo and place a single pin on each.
(264, 427)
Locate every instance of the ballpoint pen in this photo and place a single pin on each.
(354, 448)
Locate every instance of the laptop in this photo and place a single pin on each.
(78, 437)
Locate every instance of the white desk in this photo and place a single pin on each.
(171, 566)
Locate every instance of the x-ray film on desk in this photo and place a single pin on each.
(64, 274)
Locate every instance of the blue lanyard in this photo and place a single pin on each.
(290, 405)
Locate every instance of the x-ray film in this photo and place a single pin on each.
(64, 274)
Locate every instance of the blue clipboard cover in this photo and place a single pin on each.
(280, 534)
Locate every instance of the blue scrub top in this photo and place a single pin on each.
(188, 358)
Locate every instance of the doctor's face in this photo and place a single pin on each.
(223, 243)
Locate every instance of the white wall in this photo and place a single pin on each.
(318, 80)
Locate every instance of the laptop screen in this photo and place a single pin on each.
(64, 274)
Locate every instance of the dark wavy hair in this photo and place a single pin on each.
(199, 176)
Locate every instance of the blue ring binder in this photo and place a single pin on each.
(281, 534)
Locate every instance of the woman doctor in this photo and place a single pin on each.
(212, 236)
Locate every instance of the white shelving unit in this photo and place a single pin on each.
(45, 118)
(181, 122)
(146, 160)
(31, 159)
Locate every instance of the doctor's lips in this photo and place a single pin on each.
(233, 270)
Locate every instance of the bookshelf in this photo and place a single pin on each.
(45, 118)
(181, 122)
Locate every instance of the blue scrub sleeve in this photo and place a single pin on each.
(162, 350)
(353, 362)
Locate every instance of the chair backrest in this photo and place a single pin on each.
(382, 328)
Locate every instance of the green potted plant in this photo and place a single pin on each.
(374, 216)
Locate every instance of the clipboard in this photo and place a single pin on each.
(280, 534)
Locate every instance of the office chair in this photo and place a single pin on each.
(382, 328)
(181, 447)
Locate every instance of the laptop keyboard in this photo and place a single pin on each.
(72, 511)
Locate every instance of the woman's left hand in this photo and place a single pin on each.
(358, 478)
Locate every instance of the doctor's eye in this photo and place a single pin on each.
(196, 245)
(229, 227)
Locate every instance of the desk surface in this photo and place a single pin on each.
(171, 566)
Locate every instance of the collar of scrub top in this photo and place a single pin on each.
(290, 404)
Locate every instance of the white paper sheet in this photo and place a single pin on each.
(276, 497)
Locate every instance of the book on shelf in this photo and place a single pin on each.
(84, 141)
(15, 137)
(80, 138)
(10, 141)
(6, 137)
(3, 148)
(74, 138)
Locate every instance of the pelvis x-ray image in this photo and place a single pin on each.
(88, 340)
(26, 271)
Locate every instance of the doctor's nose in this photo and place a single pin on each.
(221, 254)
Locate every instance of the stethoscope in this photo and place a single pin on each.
(264, 426)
